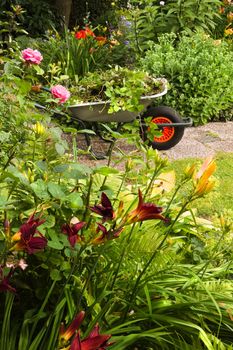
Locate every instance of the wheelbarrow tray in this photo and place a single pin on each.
(98, 111)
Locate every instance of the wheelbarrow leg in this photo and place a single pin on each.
(88, 141)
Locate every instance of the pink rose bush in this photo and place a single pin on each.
(32, 56)
(60, 92)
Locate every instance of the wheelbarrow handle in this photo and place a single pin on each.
(185, 122)
(38, 88)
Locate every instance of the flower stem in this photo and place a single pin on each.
(135, 288)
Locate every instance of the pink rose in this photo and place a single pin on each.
(32, 56)
(60, 92)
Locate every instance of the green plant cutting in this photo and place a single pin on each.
(122, 87)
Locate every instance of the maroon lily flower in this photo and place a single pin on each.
(104, 209)
(71, 230)
(94, 341)
(73, 327)
(145, 211)
(106, 235)
(25, 237)
(4, 282)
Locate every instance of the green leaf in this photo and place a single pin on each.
(75, 200)
(60, 149)
(40, 189)
(55, 275)
(55, 245)
(105, 170)
(60, 168)
(56, 190)
(39, 70)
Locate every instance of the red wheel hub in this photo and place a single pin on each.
(167, 131)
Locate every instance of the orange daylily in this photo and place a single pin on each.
(101, 40)
(202, 181)
(228, 31)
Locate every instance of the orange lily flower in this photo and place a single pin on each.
(202, 183)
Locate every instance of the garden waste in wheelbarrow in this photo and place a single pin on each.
(168, 121)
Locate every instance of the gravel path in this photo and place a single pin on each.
(203, 141)
(197, 142)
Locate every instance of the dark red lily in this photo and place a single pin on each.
(104, 209)
(145, 211)
(4, 282)
(106, 235)
(25, 237)
(73, 327)
(71, 230)
(94, 341)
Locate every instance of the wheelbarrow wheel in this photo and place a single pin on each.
(169, 135)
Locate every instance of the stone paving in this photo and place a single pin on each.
(197, 142)
(203, 141)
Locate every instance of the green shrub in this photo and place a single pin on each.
(148, 22)
(200, 72)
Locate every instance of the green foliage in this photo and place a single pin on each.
(39, 17)
(121, 86)
(35, 17)
(176, 16)
(144, 22)
(199, 71)
(141, 264)
(10, 28)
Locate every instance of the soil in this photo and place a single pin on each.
(197, 142)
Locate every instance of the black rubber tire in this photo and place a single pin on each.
(169, 114)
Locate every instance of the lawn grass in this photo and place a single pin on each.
(220, 200)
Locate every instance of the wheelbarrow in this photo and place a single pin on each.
(170, 124)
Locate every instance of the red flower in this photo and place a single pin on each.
(144, 211)
(104, 209)
(94, 341)
(106, 235)
(71, 230)
(81, 34)
(84, 33)
(89, 32)
(4, 282)
(73, 327)
(26, 240)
